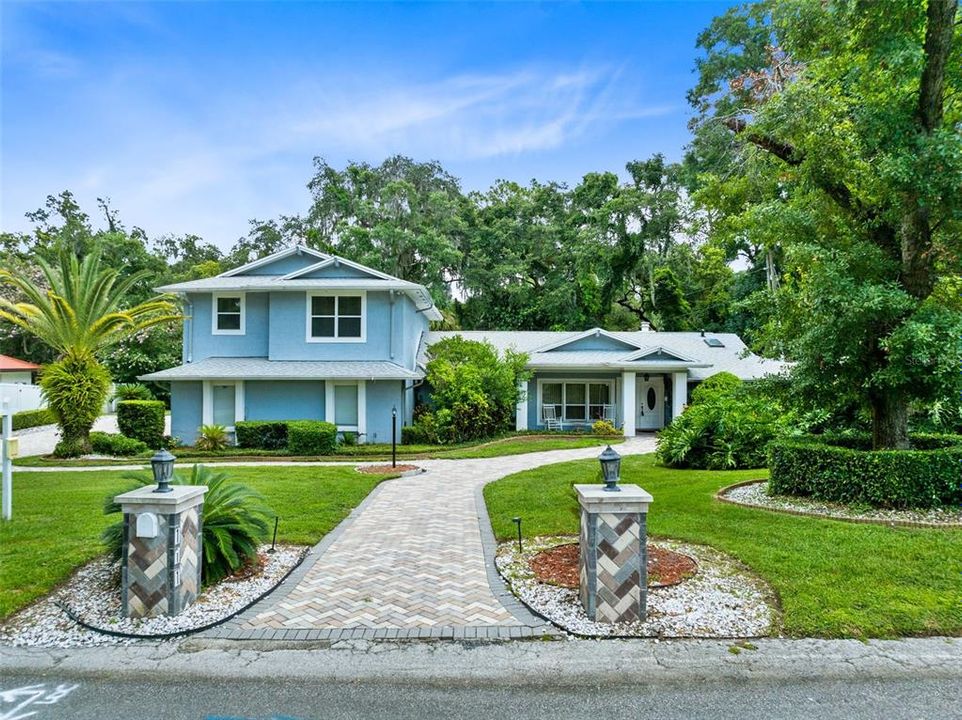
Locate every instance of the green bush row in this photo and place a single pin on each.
(261, 434)
(33, 418)
(142, 420)
(811, 467)
(116, 444)
(300, 437)
(311, 437)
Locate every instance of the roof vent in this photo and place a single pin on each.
(714, 342)
(645, 326)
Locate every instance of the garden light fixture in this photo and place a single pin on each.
(610, 469)
(517, 521)
(163, 466)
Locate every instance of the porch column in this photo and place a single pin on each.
(521, 411)
(628, 402)
(679, 393)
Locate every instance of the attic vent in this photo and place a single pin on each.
(714, 342)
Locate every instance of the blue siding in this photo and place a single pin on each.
(288, 317)
(284, 266)
(254, 341)
(382, 395)
(343, 271)
(284, 400)
(186, 410)
(595, 342)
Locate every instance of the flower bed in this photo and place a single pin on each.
(721, 600)
(93, 595)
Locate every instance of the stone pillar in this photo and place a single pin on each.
(163, 547)
(613, 561)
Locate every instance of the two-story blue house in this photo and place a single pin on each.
(304, 335)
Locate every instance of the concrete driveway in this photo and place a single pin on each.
(42, 440)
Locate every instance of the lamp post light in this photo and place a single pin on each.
(394, 436)
(163, 466)
(610, 469)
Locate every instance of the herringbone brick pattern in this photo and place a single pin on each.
(413, 558)
(147, 574)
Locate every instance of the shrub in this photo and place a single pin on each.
(212, 438)
(311, 437)
(604, 427)
(413, 435)
(75, 389)
(234, 521)
(33, 418)
(474, 390)
(722, 432)
(142, 420)
(349, 439)
(132, 391)
(116, 444)
(261, 434)
(823, 469)
(715, 386)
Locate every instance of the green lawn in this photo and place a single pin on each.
(58, 518)
(833, 579)
(512, 445)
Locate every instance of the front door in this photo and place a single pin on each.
(650, 403)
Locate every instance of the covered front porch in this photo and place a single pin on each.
(632, 400)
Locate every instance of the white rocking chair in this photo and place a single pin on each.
(551, 419)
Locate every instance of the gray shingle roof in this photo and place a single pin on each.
(260, 368)
(734, 357)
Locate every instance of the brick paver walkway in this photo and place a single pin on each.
(414, 556)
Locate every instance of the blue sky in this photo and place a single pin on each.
(196, 117)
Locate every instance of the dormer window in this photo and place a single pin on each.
(228, 315)
(336, 317)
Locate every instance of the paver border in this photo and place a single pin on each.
(531, 626)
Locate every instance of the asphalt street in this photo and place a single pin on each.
(105, 699)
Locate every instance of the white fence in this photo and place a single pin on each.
(21, 397)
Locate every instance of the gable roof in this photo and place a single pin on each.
(274, 257)
(593, 333)
(12, 364)
(366, 278)
(693, 355)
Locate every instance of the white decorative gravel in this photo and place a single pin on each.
(93, 594)
(721, 600)
(757, 494)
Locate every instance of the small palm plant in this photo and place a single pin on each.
(212, 438)
(79, 313)
(234, 522)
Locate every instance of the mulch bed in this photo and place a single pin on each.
(385, 469)
(559, 566)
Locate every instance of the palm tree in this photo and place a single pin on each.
(78, 317)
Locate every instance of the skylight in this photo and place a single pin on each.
(714, 342)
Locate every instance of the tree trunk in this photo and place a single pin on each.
(890, 421)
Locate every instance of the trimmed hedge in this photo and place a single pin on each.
(142, 420)
(33, 418)
(261, 434)
(823, 469)
(116, 444)
(311, 437)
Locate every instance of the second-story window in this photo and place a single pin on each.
(228, 316)
(335, 318)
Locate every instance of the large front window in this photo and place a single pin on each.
(578, 401)
(334, 318)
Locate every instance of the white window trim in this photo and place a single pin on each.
(361, 427)
(610, 382)
(337, 293)
(243, 313)
(207, 406)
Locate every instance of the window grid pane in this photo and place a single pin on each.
(228, 321)
(337, 316)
